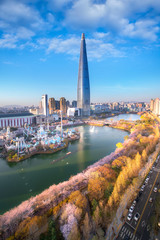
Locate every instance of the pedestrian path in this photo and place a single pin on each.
(126, 232)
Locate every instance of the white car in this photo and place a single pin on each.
(131, 209)
(129, 217)
(142, 188)
(155, 189)
(136, 216)
(134, 203)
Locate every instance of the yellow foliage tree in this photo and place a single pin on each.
(87, 227)
(144, 156)
(119, 145)
(78, 199)
(156, 131)
(29, 226)
(97, 217)
(126, 137)
(107, 172)
(117, 163)
(10, 238)
(74, 234)
(96, 188)
(138, 161)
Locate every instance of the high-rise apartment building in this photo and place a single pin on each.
(63, 106)
(74, 104)
(67, 104)
(57, 104)
(44, 105)
(156, 106)
(52, 105)
(83, 88)
(151, 104)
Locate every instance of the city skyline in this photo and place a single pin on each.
(39, 48)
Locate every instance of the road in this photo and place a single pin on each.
(139, 230)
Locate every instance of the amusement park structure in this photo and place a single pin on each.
(34, 140)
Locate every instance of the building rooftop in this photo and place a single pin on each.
(23, 114)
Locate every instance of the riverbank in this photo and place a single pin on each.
(97, 182)
(95, 123)
(111, 115)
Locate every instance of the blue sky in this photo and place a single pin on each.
(40, 44)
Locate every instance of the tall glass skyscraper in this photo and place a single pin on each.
(44, 103)
(83, 88)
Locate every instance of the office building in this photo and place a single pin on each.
(63, 106)
(16, 120)
(156, 106)
(151, 104)
(57, 105)
(83, 88)
(74, 104)
(52, 105)
(44, 105)
(67, 104)
(73, 112)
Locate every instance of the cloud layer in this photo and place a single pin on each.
(29, 23)
(97, 48)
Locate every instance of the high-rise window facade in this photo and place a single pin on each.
(83, 88)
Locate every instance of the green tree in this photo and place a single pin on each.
(51, 234)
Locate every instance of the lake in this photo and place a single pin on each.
(20, 181)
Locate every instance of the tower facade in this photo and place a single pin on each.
(63, 106)
(44, 103)
(83, 88)
(52, 105)
(151, 104)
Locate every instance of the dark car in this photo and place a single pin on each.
(136, 216)
(126, 238)
(139, 194)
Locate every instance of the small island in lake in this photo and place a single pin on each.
(24, 143)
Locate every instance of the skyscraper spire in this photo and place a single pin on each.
(83, 36)
(83, 89)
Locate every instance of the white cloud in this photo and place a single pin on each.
(16, 13)
(146, 29)
(59, 45)
(101, 35)
(24, 33)
(96, 48)
(85, 14)
(22, 20)
(8, 62)
(120, 19)
(50, 18)
(8, 41)
(117, 16)
(43, 59)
